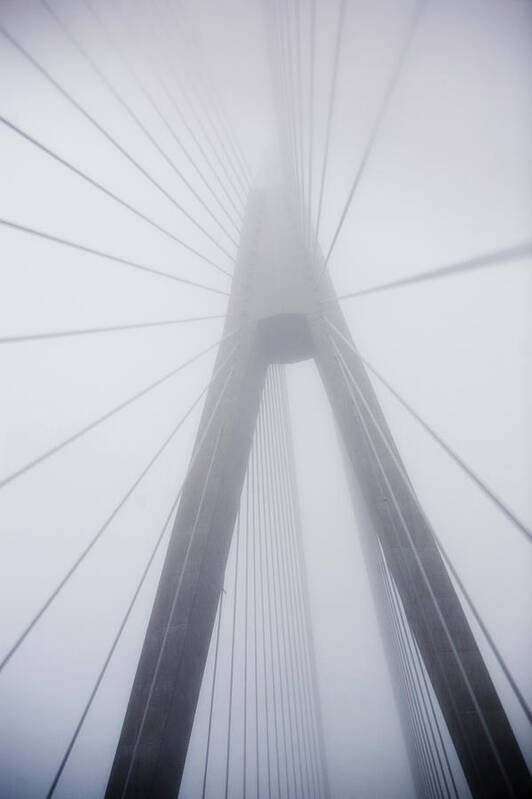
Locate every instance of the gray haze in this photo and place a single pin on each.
(449, 179)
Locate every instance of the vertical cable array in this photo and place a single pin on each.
(301, 593)
(330, 114)
(279, 532)
(415, 700)
(259, 536)
(257, 728)
(213, 689)
(440, 758)
(430, 754)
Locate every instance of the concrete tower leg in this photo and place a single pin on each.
(483, 738)
(275, 314)
(152, 748)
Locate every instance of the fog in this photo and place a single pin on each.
(448, 179)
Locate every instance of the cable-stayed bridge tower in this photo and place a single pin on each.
(282, 310)
(151, 171)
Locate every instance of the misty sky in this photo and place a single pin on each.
(448, 179)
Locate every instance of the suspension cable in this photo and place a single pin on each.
(417, 699)
(286, 565)
(175, 105)
(232, 667)
(108, 256)
(292, 612)
(376, 126)
(517, 252)
(213, 100)
(452, 454)
(312, 80)
(261, 533)
(330, 113)
(184, 120)
(108, 193)
(233, 142)
(298, 85)
(246, 635)
(279, 592)
(210, 103)
(111, 329)
(502, 663)
(271, 593)
(213, 688)
(429, 690)
(294, 558)
(418, 753)
(416, 709)
(177, 79)
(111, 652)
(254, 492)
(350, 383)
(290, 566)
(301, 595)
(424, 695)
(287, 608)
(134, 116)
(294, 104)
(188, 88)
(88, 548)
(276, 79)
(172, 610)
(210, 107)
(93, 693)
(105, 133)
(108, 414)
(287, 105)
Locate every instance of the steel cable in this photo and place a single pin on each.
(376, 127)
(134, 750)
(183, 118)
(520, 525)
(255, 609)
(105, 133)
(415, 707)
(107, 660)
(301, 593)
(261, 532)
(330, 114)
(417, 753)
(210, 105)
(93, 541)
(519, 696)
(494, 258)
(213, 690)
(292, 613)
(279, 592)
(108, 193)
(110, 329)
(107, 415)
(102, 672)
(426, 580)
(246, 635)
(232, 666)
(136, 119)
(424, 690)
(41, 234)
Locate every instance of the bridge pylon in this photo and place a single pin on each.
(282, 310)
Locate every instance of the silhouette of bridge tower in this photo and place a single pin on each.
(283, 310)
(235, 524)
